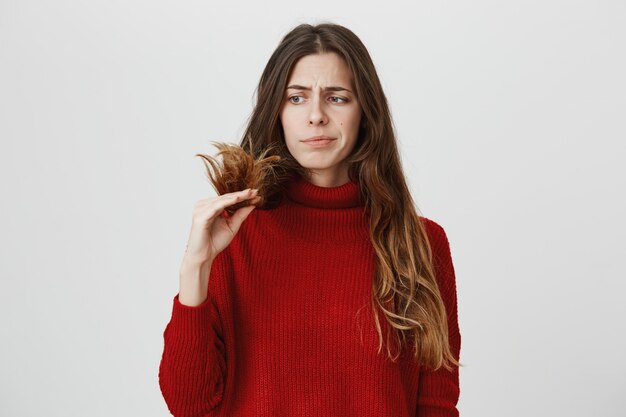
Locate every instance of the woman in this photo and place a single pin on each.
(269, 317)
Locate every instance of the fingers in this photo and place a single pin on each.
(238, 217)
(219, 203)
(241, 213)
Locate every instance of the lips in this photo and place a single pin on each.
(318, 139)
(319, 142)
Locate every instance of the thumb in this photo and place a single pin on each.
(237, 218)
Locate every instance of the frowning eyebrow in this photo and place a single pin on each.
(331, 88)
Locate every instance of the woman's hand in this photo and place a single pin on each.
(212, 230)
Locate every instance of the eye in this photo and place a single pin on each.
(337, 99)
(296, 97)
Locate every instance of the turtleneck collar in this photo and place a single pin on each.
(305, 193)
(314, 214)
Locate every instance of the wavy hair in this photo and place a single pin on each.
(404, 289)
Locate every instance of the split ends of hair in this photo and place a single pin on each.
(233, 169)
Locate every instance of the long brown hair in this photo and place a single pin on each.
(405, 287)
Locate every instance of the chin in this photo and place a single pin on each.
(314, 165)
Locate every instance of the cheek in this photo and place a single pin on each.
(284, 120)
(290, 130)
(350, 123)
(287, 118)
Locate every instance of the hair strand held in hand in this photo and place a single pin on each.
(238, 170)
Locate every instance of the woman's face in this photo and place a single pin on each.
(320, 101)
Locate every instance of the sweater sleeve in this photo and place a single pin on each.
(193, 365)
(438, 391)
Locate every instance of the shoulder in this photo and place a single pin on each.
(435, 231)
(442, 260)
(438, 239)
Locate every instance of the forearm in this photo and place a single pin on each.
(193, 366)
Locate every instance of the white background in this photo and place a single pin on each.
(511, 121)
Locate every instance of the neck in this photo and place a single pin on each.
(323, 178)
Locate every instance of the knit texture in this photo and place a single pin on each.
(287, 327)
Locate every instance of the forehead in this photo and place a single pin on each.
(325, 68)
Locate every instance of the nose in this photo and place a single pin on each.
(317, 116)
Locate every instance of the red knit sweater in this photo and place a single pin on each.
(287, 328)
